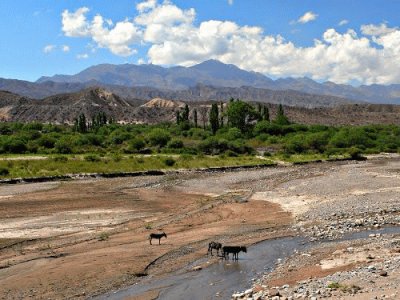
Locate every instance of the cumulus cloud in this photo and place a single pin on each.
(343, 22)
(117, 39)
(146, 5)
(65, 48)
(75, 24)
(307, 17)
(49, 48)
(376, 30)
(174, 38)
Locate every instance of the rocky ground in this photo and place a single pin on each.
(349, 198)
(81, 238)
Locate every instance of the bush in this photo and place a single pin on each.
(198, 133)
(63, 146)
(60, 158)
(232, 134)
(137, 144)
(15, 146)
(4, 171)
(33, 126)
(356, 154)
(104, 236)
(175, 144)
(90, 139)
(92, 158)
(119, 136)
(159, 137)
(46, 141)
(213, 146)
(169, 161)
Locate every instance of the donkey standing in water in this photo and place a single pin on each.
(214, 245)
(157, 236)
(234, 250)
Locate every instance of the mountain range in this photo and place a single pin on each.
(210, 80)
(217, 74)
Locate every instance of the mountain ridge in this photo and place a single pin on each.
(216, 73)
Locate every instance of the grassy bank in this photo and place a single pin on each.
(61, 165)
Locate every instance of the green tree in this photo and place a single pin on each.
(214, 120)
(185, 114)
(81, 124)
(195, 117)
(178, 117)
(265, 113)
(281, 118)
(221, 112)
(241, 114)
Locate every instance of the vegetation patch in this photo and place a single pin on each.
(233, 134)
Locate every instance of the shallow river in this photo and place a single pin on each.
(222, 279)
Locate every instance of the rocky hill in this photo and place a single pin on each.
(64, 108)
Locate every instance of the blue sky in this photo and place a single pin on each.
(342, 41)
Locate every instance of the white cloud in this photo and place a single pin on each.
(49, 48)
(307, 17)
(146, 5)
(75, 24)
(376, 30)
(174, 38)
(65, 48)
(82, 56)
(117, 39)
(230, 2)
(343, 22)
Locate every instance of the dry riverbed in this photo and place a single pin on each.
(76, 239)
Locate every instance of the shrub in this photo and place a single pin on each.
(159, 137)
(15, 146)
(356, 154)
(46, 141)
(175, 144)
(230, 153)
(169, 161)
(63, 146)
(119, 136)
(4, 171)
(92, 158)
(60, 158)
(136, 144)
(104, 236)
(33, 126)
(232, 134)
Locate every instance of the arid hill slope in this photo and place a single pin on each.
(64, 108)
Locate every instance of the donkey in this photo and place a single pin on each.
(157, 236)
(214, 245)
(234, 250)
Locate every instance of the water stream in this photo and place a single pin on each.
(222, 279)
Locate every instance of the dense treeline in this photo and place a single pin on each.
(232, 129)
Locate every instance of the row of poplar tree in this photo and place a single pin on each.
(236, 113)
